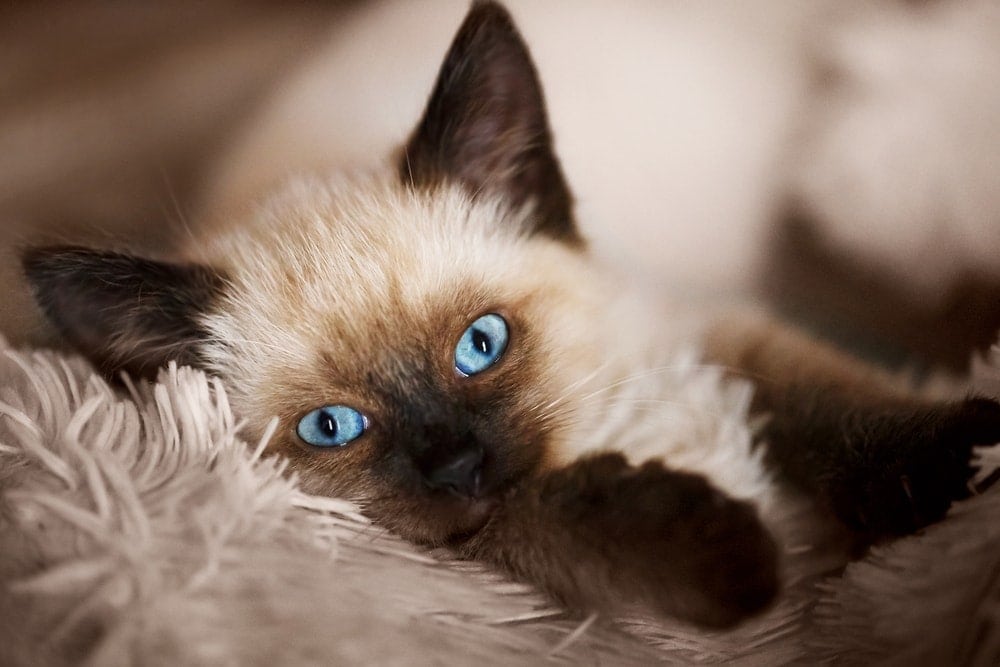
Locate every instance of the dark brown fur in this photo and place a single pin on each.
(601, 534)
(125, 312)
(486, 126)
(883, 459)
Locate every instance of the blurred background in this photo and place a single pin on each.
(839, 161)
(110, 111)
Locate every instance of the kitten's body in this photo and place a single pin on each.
(607, 464)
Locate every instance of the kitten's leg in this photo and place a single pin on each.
(885, 460)
(600, 533)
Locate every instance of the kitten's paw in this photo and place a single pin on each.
(919, 463)
(676, 542)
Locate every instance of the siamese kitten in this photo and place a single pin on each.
(439, 345)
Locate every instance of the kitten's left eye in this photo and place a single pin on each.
(332, 426)
(481, 345)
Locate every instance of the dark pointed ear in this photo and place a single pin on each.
(123, 312)
(485, 124)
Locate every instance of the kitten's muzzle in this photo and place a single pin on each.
(460, 475)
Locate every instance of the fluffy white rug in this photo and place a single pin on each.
(137, 528)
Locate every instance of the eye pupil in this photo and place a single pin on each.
(481, 341)
(327, 425)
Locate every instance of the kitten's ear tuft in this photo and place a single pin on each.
(123, 312)
(485, 125)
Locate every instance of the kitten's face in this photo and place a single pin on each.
(352, 300)
(357, 296)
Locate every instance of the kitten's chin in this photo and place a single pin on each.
(446, 521)
(436, 519)
(478, 514)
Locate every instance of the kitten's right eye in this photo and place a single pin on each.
(332, 426)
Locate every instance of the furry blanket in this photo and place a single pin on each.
(137, 528)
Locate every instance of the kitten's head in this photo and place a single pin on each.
(412, 331)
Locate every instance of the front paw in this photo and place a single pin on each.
(673, 540)
(914, 464)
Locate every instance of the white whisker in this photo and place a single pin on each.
(572, 387)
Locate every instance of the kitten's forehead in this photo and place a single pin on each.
(354, 243)
(378, 267)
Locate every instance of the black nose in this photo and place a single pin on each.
(461, 475)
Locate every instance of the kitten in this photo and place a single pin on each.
(438, 344)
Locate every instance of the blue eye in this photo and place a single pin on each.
(332, 426)
(481, 345)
